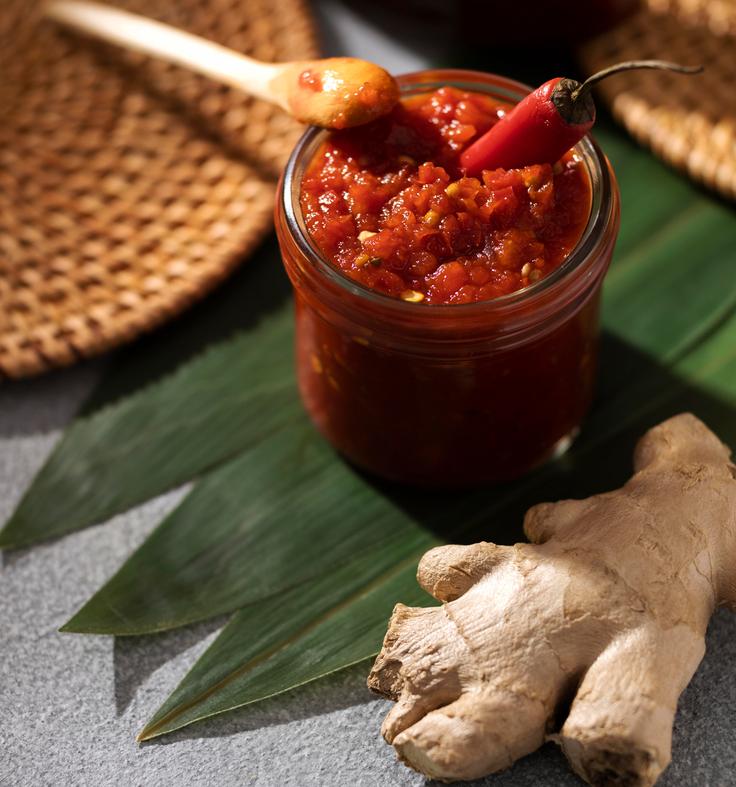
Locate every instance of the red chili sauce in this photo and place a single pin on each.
(443, 396)
(388, 204)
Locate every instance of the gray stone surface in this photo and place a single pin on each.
(70, 705)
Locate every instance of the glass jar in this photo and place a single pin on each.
(448, 395)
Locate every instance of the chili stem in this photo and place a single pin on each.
(630, 65)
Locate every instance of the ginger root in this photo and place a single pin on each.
(587, 636)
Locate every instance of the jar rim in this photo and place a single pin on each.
(417, 82)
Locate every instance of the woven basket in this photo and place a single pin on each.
(128, 187)
(689, 121)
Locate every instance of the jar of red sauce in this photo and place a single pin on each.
(448, 395)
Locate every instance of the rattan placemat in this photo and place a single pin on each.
(688, 121)
(128, 187)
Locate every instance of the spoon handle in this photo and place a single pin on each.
(169, 43)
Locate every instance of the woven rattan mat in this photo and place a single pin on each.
(688, 121)
(128, 187)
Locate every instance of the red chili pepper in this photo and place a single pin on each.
(542, 127)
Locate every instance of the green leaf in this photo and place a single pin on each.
(157, 439)
(653, 197)
(677, 286)
(299, 636)
(281, 513)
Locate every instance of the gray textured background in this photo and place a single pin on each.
(70, 705)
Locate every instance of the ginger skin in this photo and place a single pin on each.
(606, 609)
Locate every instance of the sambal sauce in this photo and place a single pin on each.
(389, 205)
(446, 326)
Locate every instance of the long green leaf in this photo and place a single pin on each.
(275, 516)
(653, 197)
(666, 295)
(299, 636)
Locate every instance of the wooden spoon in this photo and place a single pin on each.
(336, 92)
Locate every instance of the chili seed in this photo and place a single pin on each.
(431, 218)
